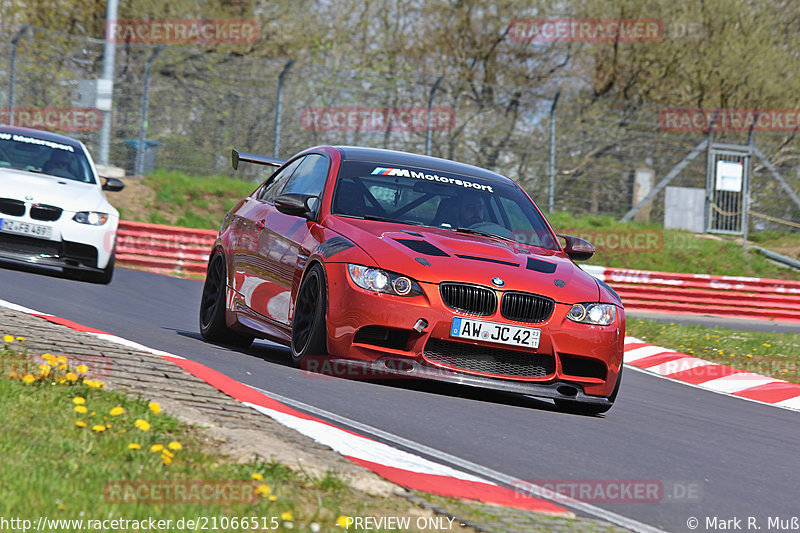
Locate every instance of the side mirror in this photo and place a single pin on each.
(113, 184)
(577, 249)
(295, 204)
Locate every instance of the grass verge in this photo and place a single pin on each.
(768, 354)
(647, 246)
(74, 451)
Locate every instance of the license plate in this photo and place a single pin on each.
(479, 330)
(25, 228)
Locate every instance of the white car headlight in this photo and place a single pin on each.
(379, 280)
(593, 313)
(92, 218)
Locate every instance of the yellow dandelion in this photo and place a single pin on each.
(166, 453)
(166, 460)
(28, 378)
(49, 357)
(257, 477)
(272, 498)
(80, 409)
(20, 339)
(263, 490)
(155, 448)
(95, 384)
(142, 424)
(766, 344)
(287, 516)
(79, 400)
(45, 370)
(71, 377)
(62, 359)
(134, 446)
(82, 369)
(749, 355)
(63, 367)
(99, 428)
(341, 522)
(116, 411)
(154, 407)
(8, 338)
(174, 445)
(62, 506)
(80, 423)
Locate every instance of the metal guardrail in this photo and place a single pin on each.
(177, 250)
(164, 249)
(733, 296)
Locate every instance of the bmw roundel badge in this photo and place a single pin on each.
(498, 281)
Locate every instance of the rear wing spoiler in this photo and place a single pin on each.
(237, 156)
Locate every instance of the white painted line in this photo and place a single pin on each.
(351, 445)
(738, 382)
(632, 340)
(678, 365)
(488, 473)
(20, 308)
(791, 403)
(645, 351)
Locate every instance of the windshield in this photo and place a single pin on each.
(439, 199)
(29, 153)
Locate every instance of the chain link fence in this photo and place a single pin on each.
(202, 104)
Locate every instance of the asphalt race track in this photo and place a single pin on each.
(736, 458)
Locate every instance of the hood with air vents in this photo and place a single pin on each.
(436, 255)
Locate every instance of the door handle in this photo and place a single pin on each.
(260, 224)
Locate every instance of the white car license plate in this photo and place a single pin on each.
(25, 228)
(467, 328)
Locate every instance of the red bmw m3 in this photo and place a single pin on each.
(413, 266)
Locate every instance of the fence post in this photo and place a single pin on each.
(430, 109)
(105, 85)
(551, 192)
(12, 67)
(277, 134)
(139, 166)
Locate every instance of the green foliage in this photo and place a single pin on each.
(763, 353)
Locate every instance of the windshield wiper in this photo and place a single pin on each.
(386, 219)
(473, 231)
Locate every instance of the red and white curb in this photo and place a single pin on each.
(711, 376)
(405, 469)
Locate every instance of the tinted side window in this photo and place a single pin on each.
(309, 178)
(276, 182)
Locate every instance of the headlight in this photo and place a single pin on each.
(379, 280)
(92, 218)
(593, 313)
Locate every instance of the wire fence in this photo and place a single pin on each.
(202, 104)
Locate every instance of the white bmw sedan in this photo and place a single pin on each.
(53, 210)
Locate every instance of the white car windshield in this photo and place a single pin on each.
(27, 152)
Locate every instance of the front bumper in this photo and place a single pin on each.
(64, 254)
(395, 368)
(581, 360)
